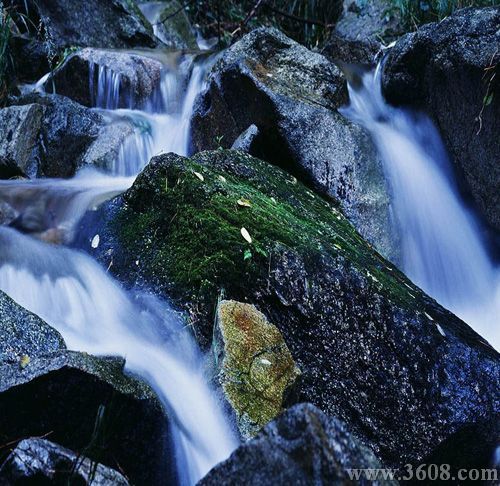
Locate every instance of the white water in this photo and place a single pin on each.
(442, 249)
(91, 311)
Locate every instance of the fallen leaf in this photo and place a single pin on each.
(244, 232)
(247, 255)
(95, 241)
(222, 179)
(244, 203)
(25, 361)
(197, 174)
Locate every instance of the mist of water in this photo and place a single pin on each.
(441, 245)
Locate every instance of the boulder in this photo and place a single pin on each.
(301, 447)
(450, 70)
(374, 350)
(107, 79)
(83, 402)
(52, 136)
(170, 23)
(110, 24)
(37, 461)
(292, 95)
(255, 367)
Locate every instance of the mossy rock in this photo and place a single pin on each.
(373, 349)
(256, 368)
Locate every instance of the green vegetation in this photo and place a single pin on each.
(417, 12)
(307, 21)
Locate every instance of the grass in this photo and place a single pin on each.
(5, 55)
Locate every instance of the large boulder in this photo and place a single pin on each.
(254, 366)
(38, 462)
(111, 24)
(373, 349)
(107, 79)
(52, 136)
(83, 402)
(292, 95)
(301, 447)
(450, 70)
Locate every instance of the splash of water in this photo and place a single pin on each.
(442, 249)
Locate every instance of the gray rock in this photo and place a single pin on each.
(292, 95)
(301, 447)
(137, 77)
(450, 70)
(19, 129)
(52, 136)
(111, 24)
(24, 335)
(37, 461)
(245, 142)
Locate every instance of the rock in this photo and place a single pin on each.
(110, 24)
(303, 446)
(170, 23)
(292, 95)
(23, 334)
(88, 405)
(351, 51)
(52, 136)
(19, 127)
(245, 142)
(132, 78)
(30, 58)
(450, 70)
(256, 369)
(374, 350)
(37, 460)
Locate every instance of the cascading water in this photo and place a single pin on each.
(442, 250)
(91, 311)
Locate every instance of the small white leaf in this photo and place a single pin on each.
(440, 329)
(244, 232)
(197, 174)
(95, 241)
(244, 203)
(222, 179)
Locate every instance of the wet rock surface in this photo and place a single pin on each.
(292, 96)
(450, 70)
(303, 446)
(374, 350)
(132, 77)
(40, 462)
(52, 136)
(255, 368)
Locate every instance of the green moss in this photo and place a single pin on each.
(256, 369)
(187, 232)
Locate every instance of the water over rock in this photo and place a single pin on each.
(131, 78)
(52, 136)
(292, 95)
(111, 24)
(38, 462)
(255, 367)
(450, 70)
(373, 349)
(303, 446)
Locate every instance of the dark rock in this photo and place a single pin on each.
(30, 58)
(301, 447)
(292, 95)
(40, 462)
(374, 350)
(52, 136)
(24, 335)
(88, 405)
(110, 24)
(137, 76)
(351, 51)
(450, 70)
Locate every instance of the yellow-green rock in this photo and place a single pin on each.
(255, 365)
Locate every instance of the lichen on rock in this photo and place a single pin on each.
(256, 368)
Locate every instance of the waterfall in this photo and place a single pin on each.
(81, 300)
(441, 245)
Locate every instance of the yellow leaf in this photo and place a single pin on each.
(25, 361)
(246, 235)
(245, 203)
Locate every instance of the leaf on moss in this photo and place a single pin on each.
(247, 255)
(244, 203)
(244, 232)
(197, 174)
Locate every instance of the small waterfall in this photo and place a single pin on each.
(442, 249)
(78, 298)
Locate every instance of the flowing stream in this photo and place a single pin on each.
(92, 311)
(441, 246)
